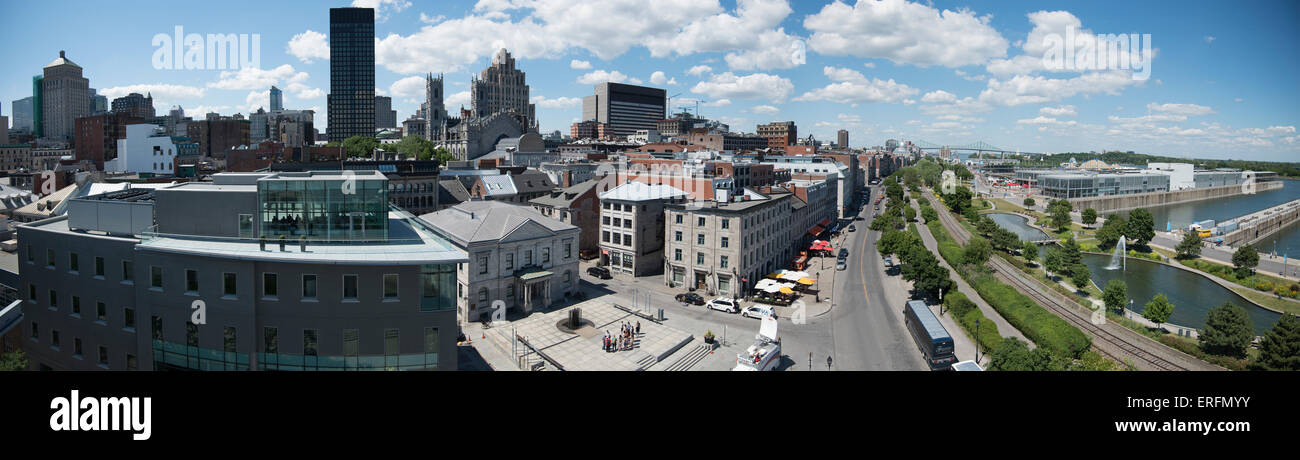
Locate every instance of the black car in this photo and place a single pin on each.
(853, 228)
(690, 298)
(844, 253)
(599, 272)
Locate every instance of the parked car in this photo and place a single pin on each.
(758, 311)
(599, 272)
(853, 228)
(723, 304)
(690, 298)
(844, 253)
(841, 264)
(588, 254)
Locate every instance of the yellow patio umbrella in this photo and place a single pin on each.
(774, 275)
(786, 290)
(807, 281)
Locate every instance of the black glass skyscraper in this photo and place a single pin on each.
(352, 73)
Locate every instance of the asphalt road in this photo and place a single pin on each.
(867, 325)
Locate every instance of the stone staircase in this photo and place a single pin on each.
(691, 358)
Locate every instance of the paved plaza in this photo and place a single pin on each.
(581, 350)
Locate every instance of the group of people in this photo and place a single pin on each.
(624, 340)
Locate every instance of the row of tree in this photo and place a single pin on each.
(917, 264)
(410, 146)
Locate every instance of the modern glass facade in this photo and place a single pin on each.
(323, 209)
(351, 101)
(1080, 186)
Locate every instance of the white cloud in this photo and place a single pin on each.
(764, 109)
(557, 103)
(754, 86)
(158, 90)
(409, 87)
(256, 99)
(1025, 89)
(1062, 111)
(1180, 109)
(383, 8)
(457, 100)
(251, 78)
(1209, 39)
(1238, 100)
(699, 70)
(1041, 120)
(853, 87)
(601, 76)
(939, 97)
(309, 45)
(659, 78)
(1149, 119)
(869, 65)
(718, 103)
(580, 65)
(905, 33)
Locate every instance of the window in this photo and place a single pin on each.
(131, 363)
(229, 342)
(618, 222)
(482, 264)
(678, 218)
(191, 334)
(724, 242)
(128, 317)
(76, 306)
(604, 220)
(528, 257)
(230, 286)
(627, 223)
(49, 258)
(677, 236)
(726, 223)
(54, 339)
(156, 327)
(568, 249)
(73, 264)
(350, 287)
(245, 225)
(392, 344)
(99, 267)
(54, 299)
(101, 312)
(351, 342)
(270, 340)
(700, 222)
(677, 255)
(103, 356)
(482, 294)
(155, 276)
(270, 285)
(699, 239)
(128, 271)
(309, 287)
(36, 331)
(604, 236)
(510, 261)
(309, 342)
(699, 258)
(722, 263)
(191, 281)
(546, 255)
(31, 293)
(390, 286)
(76, 347)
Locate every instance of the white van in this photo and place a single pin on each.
(758, 311)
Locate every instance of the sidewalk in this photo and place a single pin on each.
(1004, 328)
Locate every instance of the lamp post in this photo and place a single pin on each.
(977, 341)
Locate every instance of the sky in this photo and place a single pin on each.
(1217, 79)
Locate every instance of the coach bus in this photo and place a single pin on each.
(933, 340)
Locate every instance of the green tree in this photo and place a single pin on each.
(1030, 251)
(985, 225)
(910, 213)
(1141, 226)
(1089, 216)
(929, 214)
(1054, 260)
(443, 155)
(1014, 355)
(977, 252)
(1227, 331)
(1190, 247)
(896, 242)
(959, 200)
(1081, 276)
(1060, 216)
(1005, 240)
(1245, 260)
(1158, 309)
(1029, 202)
(360, 146)
(1280, 348)
(1115, 296)
(1109, 233)
(1071, 253)
(13, 361)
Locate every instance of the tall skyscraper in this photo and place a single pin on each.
(351, 101)
(385, 116)
(502, 88)
(277, 99)
(23, 115)
(135, 104)
(38, 106)
(843, 139)
(625, 108)
(65, 96)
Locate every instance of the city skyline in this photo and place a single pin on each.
(951, 73)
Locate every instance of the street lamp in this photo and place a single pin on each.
(977, 341)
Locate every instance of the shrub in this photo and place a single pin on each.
(1264, 285)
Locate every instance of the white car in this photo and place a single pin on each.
(723, 304)
(758, 311)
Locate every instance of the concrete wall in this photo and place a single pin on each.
(1105, 204)
(1264, 223)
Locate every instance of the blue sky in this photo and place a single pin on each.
(1222, 80)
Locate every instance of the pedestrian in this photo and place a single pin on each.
(638, 327)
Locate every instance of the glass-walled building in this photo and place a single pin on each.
(1089, 185)
(328, 206)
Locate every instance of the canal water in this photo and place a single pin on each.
(1222, 209)
(1192, 295)
(1018, 225)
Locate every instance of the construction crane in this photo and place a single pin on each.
(669, 106)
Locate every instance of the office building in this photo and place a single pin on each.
(502, 88)
(779, 134)
(716, 246)
(374, 289)
(842, 139)
(385, 116)
(516, 255)
(23, 115)
(135, 105)
(632, 227)
(277, 99)
(216, 136)
(1081, 185)
(97, 136)
(64, 95)
(577, 205)
(351, 102)
(625, 108)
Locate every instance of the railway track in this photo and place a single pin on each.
(1112, 345)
